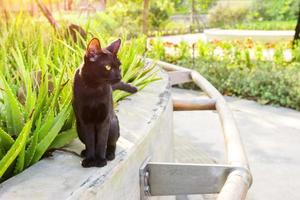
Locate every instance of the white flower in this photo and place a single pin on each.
(251, 54)
(287, 55)
(265, 54)
(171, 51)
(268, 54)
(218, 52)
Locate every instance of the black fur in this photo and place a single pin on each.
(97, 123)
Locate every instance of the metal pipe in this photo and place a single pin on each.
(194, 104)
(239, 181)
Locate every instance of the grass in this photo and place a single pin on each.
(37, 67)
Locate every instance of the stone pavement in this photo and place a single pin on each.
(189, 38)
(210, 34)
(271, 136)
(257, 35)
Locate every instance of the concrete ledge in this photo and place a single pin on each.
(263, 36)
(146, 130)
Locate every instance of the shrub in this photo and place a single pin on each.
(36, 113)
(159, 13)
(274, 10)
(184, 6)
(261, 15)
(266, 83)
(222, 15)
(268, 73)
(128, 16)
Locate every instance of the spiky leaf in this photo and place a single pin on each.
(15, 149)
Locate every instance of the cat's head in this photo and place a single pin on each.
(101, 65)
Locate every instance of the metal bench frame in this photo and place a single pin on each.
(232, 181)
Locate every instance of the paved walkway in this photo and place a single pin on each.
(210, 34)
(189, 38)
(257, 35)
(271, 137)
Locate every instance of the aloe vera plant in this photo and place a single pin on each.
(36, 70)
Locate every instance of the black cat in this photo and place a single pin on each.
(97, 123)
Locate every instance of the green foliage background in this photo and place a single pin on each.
(229, 67)
(259, 15)
(35, 111)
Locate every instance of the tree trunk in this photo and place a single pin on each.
(193, 16)
(297, 29)
(70, 3)
(103, 4)
(193, 11)
(31, 11)
(145, 16)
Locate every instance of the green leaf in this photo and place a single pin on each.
(31, 149)
(39, 133)
(15, 149)
(41, 99)
(20, 161)
(12, 109)
(47, 124)
(64, 138)
(57, 90)
(2, 152)
(29, 153)
(53, 132)
(5, 140)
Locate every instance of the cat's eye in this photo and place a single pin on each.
(107, 67)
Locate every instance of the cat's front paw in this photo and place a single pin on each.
(100, 162)
(88, 163)
(132, 89)
(110, 155)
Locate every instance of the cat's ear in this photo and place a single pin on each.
(93, 49)
(114, 46)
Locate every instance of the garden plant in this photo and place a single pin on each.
(36, 70)
(266, 72)
(255, 15)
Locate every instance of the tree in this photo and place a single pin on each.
(297, 29)
(199, 7)
(69, 4)
(145, 16)
(193, 12)
(103, 4)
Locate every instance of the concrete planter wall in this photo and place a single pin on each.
(263, 36)
(146, 131)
